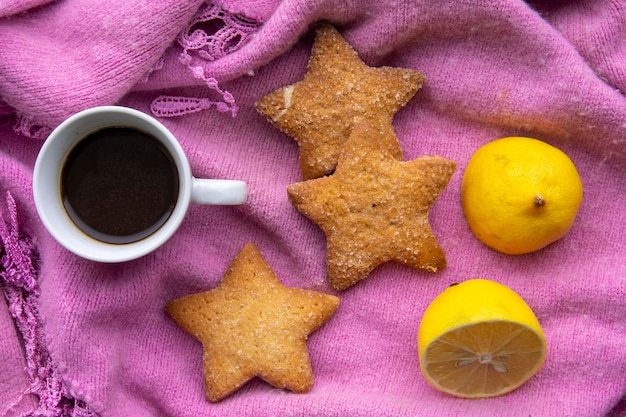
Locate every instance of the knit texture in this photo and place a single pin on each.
(11, 7)
(550, 70)
(21, 289)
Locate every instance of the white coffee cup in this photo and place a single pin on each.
(51, 161)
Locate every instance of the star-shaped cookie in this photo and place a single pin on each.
(374, 208)
(252, 325)
(337, 91)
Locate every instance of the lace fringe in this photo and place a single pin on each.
(18, 279)
(210, 35)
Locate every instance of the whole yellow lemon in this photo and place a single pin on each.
(520, 194)
(479, 339)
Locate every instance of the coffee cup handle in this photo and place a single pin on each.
(219, 192)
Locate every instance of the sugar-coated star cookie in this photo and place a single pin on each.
(337, 91)
(252, 325)
(374, 208)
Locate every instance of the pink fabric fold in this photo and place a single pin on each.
(549, 70)
(12, 7)
(81, 53)
(15, 393)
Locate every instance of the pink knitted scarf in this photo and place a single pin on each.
(79, 338)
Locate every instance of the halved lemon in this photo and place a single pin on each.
(479, 339)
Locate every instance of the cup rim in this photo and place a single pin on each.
(54, 217)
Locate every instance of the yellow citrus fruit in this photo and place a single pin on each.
(520, 194)
(479, 339)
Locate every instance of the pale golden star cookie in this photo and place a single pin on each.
(374, 208)
(252, 325)
(337, 91)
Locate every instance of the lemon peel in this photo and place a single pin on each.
(520, 194)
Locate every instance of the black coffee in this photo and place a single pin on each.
(119, 185)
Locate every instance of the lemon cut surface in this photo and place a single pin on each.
(479, 339)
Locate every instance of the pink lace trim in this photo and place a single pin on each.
(19, 284)
(214, 33)
(210, 35)
(25, 126)
(171, 106)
